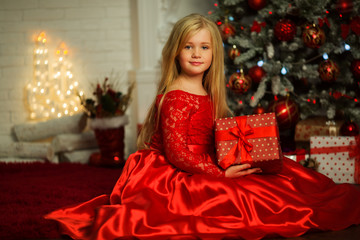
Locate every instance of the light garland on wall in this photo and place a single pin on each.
(52, 95)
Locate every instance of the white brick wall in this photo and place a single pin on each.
(96, 32)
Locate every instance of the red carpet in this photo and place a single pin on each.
(28, 191)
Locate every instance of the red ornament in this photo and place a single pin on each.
(313, 36)
(256, 73)
(323, 21)
(259, 109)
(349, 128)
(286, 111)
(355, 25)
(336, 95)
(257, 4)
(256, 27)
(328, 71)
(234, 52)
(285, 30)
(239, 82)
(344, 6)
(227, 30)
(355, 68)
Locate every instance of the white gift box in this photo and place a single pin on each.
(336, 159)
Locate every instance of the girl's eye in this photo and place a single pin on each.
(205, 47)
(187, 47)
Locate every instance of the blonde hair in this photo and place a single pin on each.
(213, 80)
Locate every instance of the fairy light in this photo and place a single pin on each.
(260, 63)
(347, 47)
(325, 56)
(52, 92)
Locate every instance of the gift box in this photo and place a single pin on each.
(252, 139)
(338, 157)
(298, 155)
(316, 126)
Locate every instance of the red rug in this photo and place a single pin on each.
(29, 191)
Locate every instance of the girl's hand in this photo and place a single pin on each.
(236, 171)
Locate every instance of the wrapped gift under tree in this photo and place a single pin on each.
(338, 157)
(303, 157)
(298, 155)
(252, 139)
(315, 126)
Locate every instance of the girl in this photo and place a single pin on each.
(172, 186)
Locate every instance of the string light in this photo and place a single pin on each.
(283, 71)
(347, 47)
(260, 63)
(325, 56)
(51, 93)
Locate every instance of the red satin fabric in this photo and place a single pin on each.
(153, 199)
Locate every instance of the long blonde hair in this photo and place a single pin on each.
(213, 80)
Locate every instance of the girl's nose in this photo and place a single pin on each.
(195, 53)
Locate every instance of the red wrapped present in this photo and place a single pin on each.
(252, 139)
(338, 157)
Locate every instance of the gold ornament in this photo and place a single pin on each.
(313, 36)
(239, 82)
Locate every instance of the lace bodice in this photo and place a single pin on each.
(186, 135)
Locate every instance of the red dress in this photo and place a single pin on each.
(175, 188)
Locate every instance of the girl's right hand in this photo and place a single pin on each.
(236, 171)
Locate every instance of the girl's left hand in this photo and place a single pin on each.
(236, 171)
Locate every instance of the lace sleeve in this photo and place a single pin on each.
(175, 118)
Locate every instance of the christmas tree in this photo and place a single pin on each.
(297, 58)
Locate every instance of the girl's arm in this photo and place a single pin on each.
(175, 119)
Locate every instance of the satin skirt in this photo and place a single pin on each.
(154, 200)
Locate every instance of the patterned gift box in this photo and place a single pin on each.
(317, 126)
(338, 157)
(252, 139)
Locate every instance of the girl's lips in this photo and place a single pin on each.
(196, 63)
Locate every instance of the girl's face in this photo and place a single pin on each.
(195, 58)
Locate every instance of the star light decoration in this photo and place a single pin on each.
(52, 94)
